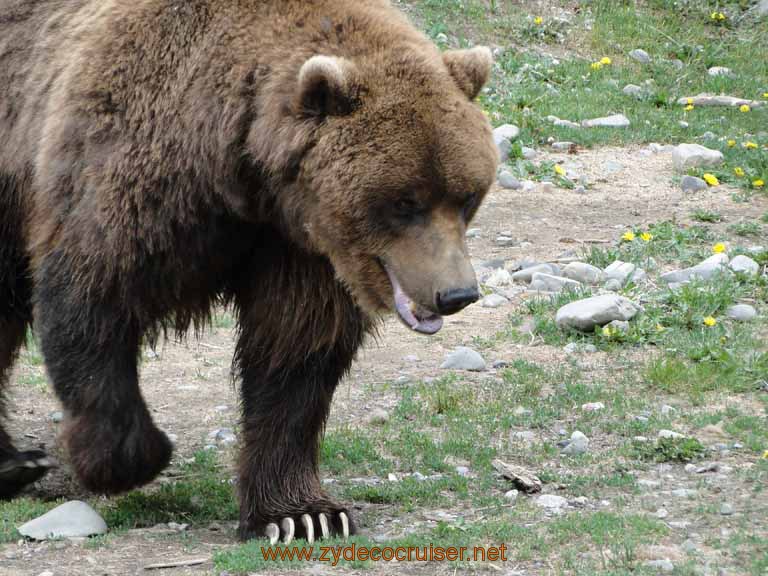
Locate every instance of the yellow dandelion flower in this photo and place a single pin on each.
(713, 16)
(689, 101)
(731, 143)
(605, 61)
(660, 328)
(744, 108)
(758, 183)
(559, 170)
(765, 455)
(750, 145)
(646, 236)
(628, 236)
(710, 321)
(596, 65)
(711, 179)
(538, 20)
(738, 171)
(721, 16)
(607, 331)
(689, 108)
(765, 95)
(718, 248)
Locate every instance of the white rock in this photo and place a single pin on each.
(549, 283)
(71, 520)
(762, 8)
(686, 156)
(720, 71)
(640, 55)
(562, 146)
(704, 271)
(579, 444)
(684, 493)
(499, 278)
(593, 407)
(614, 121)
(683, 124)
(493, 301)
(526, 274)
(669, 434)
(529, 153)
(474, 233)
(741, 313)
(503, 136)
(463, 358)
(745, 264)
(613, 285)
(223, 436)
(551, 501)
(599, 310)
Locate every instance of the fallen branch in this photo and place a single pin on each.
(176, 564)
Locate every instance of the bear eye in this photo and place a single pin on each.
(406, 207)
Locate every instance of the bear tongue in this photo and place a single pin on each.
(411, 315)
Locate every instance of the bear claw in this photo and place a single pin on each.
(23, 469)
(288, 528)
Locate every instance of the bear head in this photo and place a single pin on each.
(398, 161)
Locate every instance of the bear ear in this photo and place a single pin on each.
(471, 69)
(325, 87)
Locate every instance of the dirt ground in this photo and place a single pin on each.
(189, 389)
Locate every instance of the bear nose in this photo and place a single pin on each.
(455, 300)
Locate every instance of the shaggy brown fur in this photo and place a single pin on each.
(160, 156)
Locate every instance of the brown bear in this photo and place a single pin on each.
(313, 164)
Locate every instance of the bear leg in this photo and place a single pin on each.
(283, 421)
(91, 351)
(17, 469)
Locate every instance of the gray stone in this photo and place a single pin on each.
(509, 182)
(621, 271)
(578, 444)
(585, 314)
(613, 285)
(580, 190)
(687, 156)
(683, 124)
(71, 520)
(529, 153)
(720, 71)
(57, 417)
(669, 434)
(523, 436)
(685, 493)
(693, 184)
(463, 471)
(504, 136)
(499, 278)
(463, 358)
(640, 55)
(563, 123)
(718, 100)
(474, 233)
(704, 271)
(726, 509)
(762, 8)
(493, 301)
(506, 241)
(549, 283)
(551, 502)
(633, 90)
(579, 348)
(709, 135)
(526, 274)
(511, 495)
(612, 167)
(618, 326)
(613, 121)
(663, 565)
(223, 436)
(745, 265)
(741, 313)
(562, 146)
(677, 64)
(593, 407)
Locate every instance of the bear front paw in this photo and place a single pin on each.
(110, 458)
(318, 522)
